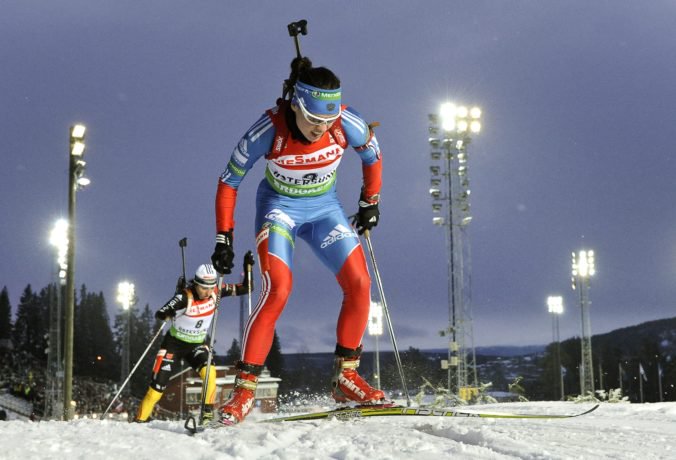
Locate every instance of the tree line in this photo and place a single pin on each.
(97, 347)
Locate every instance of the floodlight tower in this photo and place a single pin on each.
(555, 305)
(376, 330)
(58, 238)
(450, 132)
(583, 269)
(126, 296)
(76, 180)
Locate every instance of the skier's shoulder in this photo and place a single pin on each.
(179, 300)
(262, 131)
(354, 126)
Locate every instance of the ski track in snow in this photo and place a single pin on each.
(613, 431)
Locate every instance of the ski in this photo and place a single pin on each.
(350, 413)
(192, 428)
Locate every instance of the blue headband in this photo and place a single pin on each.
(318, 101)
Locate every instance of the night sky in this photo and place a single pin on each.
(576, 152)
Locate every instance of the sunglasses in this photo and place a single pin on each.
(312, 119)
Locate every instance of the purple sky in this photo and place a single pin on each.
(576, 151)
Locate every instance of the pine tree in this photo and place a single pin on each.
(275, 360)
(234, 353)
(103, 338)
(93, 340)
(30, 326)
(5, 318)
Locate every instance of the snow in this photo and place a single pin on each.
(613, 431)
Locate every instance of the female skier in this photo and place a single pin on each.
(302, 139)
(191, 311)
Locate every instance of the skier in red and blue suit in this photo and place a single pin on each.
(303, 140)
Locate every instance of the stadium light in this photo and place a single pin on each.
(58, 238)
(450, 131)
(125, 294)
(555, 306)
(75, 175)
(583, 268)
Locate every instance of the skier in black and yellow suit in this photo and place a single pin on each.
(191, 311)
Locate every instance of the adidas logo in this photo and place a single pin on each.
(338, 233)
(166, 367)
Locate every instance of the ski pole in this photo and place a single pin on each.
(367, 236)
(183, 243)
(249, 288)
(157, 334)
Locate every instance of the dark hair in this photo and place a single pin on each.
(302, 70)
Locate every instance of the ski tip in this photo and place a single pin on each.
(588, 411)
(591, 410)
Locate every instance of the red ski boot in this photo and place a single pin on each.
(348, 385)
(241, 400)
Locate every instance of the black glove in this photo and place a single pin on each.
(367, 216)
(223, 253)
(163, 314)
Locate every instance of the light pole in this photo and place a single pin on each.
(58, 238)
(76, 180)
(126, 296)
(376, 330)
(555, 305)
(584, 267)
(450, 133)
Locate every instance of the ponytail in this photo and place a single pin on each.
(299, 66)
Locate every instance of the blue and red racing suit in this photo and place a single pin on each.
(297, 198)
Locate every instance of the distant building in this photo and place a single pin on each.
(184, 391)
